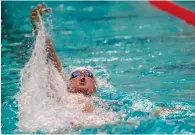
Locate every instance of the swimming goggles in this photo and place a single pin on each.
(79, 73)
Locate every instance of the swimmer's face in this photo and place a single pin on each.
(82, 81)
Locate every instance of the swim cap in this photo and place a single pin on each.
(82, 68)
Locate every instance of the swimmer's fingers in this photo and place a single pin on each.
(46, 10)
(43, 10)
(34, 14)
(38, 8)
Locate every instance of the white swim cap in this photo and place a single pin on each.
(82, 68)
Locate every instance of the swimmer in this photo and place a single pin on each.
(163, 110)
(82, 81)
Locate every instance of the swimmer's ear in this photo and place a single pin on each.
(68, 87)
(96, 84)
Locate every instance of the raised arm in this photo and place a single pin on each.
(36, 21)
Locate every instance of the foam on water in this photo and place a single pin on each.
(43, 101)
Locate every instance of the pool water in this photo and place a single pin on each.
(146, 55)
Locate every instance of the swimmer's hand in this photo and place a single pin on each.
(162, 110)
(88, 107)
(34, 15)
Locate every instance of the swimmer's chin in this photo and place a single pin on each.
(81, 90)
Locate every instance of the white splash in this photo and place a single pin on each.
(43, 101)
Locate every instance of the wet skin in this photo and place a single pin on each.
(82, 84)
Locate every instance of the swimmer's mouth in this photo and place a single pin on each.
(82, 81)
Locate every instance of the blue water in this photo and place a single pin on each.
(145, 54)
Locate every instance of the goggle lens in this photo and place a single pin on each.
(78, 73)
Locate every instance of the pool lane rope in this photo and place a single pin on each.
(172, 8)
